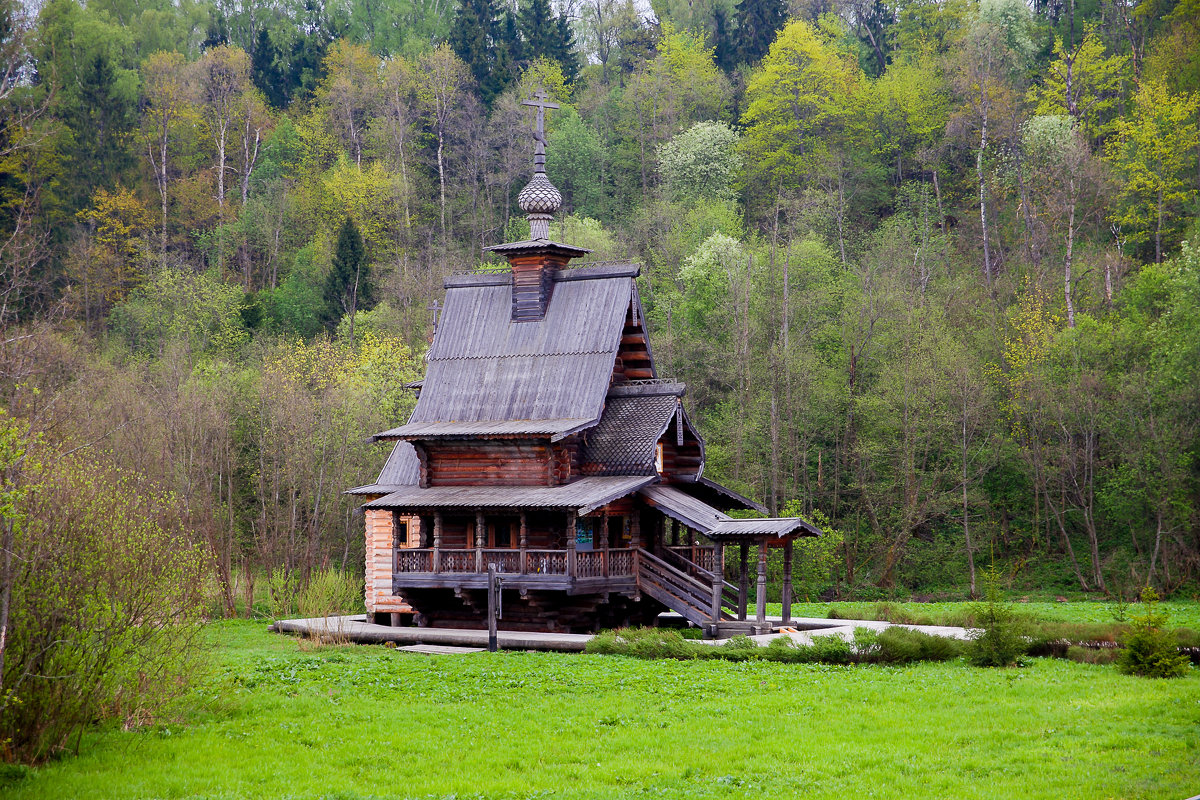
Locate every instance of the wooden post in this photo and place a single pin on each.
(480, 539)
(437, 540)
(605, 544)
(743, 580)
(523, 541)
(493, 609)
(761, 599)
(718, 581)
(635, 530)
(571, 544)
(691, 540)
(787, 582)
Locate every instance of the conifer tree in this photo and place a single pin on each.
(758, 23)
(348, 287)
(538, 27)
(477, 36)
(724, 44)
(563, 50)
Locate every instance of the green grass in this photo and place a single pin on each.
(1182, 614)
(279, 719)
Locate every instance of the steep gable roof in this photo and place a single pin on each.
(489, 375)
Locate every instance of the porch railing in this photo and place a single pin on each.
(614, 563)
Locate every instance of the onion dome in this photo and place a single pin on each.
(539, 196)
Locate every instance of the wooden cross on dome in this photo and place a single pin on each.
(541, 101)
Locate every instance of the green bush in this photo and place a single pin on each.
(898, 645)
(1150, 650)
(103, 615)
(1000, 641)
(643, 643)
(1091, 655)
(893, 646)
(331, 592)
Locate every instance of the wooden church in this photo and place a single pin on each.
(545, 445)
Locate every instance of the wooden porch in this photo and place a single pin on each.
(684, 578)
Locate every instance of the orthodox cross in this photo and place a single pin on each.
(541, 101)
(436, 308)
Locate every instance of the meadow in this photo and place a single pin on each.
(280, 717)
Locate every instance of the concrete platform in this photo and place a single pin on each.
(459, 640)
(357, 629)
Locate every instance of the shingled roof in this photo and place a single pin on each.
(489, 375)
(402, 469)
(625, 439)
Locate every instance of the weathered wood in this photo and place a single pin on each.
(571, 523)
(523, 541)
(437, 538)
(480, 541)
(761, 598)
(680, 592)
(743, 580)
(719, 583)
(493, 609)
(787, 582)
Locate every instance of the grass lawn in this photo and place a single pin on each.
(1182, 614)
(279, 719)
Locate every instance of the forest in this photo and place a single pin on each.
(923, 264)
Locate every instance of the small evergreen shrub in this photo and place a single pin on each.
(999, 642)
(1150, 650)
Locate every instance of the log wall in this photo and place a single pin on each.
(492, 462)
(381, 529)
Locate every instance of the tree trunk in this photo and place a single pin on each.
(987, 257)
(442, 177)
(966, 520)
(1070, 253)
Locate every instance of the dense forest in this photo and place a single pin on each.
(923, 264)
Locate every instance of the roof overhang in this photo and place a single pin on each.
(553, 429)
(714, 524)
(582, 496)
(538, 246)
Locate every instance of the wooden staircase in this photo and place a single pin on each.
(683, 590)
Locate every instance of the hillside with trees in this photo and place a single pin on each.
(924, 266)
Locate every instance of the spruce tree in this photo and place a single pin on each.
(563, 50)
(724, 44)
(538, 27)
(759, 22)
(477, 36)
(348, 287)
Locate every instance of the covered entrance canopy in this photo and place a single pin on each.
(725, 530)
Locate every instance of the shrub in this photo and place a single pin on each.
(1000, 641)
(105, 599)
(831, 649)
(282, 592)
(866, 644)
(331, 592)
(903, 645)
(643, 643)
(1091, 655)
(1150, 650)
